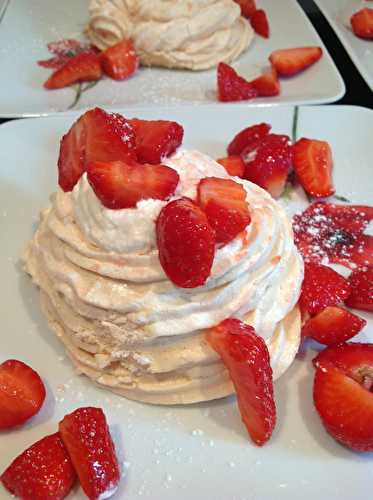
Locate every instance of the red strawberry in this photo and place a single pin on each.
(259, 23)
(248, 7)
(232, 87)
(342, 393)
(246, 357)
(120, 61)
(288, 62)
(96, 135)
(224, 203)
(186, 243)
(313, 165)
(121, 185)
(87, 438)
(42, 472)
(156, 139)
(268, 165)
(22, 393)
(333, 325)
(361, 283)
(64, 50)
(362, 23)
(267, 84)
(83, 67)
(250, 136)
(233, 165)
(322, 287)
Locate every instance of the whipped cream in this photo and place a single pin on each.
(126, 325)
(193, 34)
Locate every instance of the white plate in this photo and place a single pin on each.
(201, 451)
(22, 43)
(338, 13)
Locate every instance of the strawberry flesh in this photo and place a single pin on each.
(232, 87)
(248, 7)
(120, 61)
(84, 67)
(63, 51)
(259, 23)
(247, 138)
(362, 23)
(267, 84)
(233, 165)
(288, 62)
(361, 283)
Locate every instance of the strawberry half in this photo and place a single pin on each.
(156, 139)
(233, 165)
(120, 61)
(333, 325)
(224, 203)
(313, 165)
(259, 23)
(42, 472)
(87, 439)
(121, 185)
(343, 395)
(267, 84)
(83, 67)
(322, 287)
(362, 23)
(246, 357)
(232, 87)
(22, 393)
(248, 7)
(288, 62)
(186, 243)
(361, 283)
(249, 137)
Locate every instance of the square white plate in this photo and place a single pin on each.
(201, 451)
(338, 13)
(28, 26)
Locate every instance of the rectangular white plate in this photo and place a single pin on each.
(338, 13)
(23, 42)
(201, 451)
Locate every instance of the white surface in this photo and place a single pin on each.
(338, 13)
(202, 451)
(28, 26)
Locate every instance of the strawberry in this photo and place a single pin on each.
(63, 51)
(361, 283)
(362, 23)
(249, 136)
(42, 472)
(246, 357)
(96, 135)
(248, 7)
(120, 61)
(232, 87)
(156, 139)
(224, 203)
(83, 67)
(313, 166)
(322, 287)
(288, 62)
(121, 185)
(22, 393)
(267, 84)
(233, 165)
(268, 165)
(342, 393)
(186, 243)
(259, 23)
(86, 436)
(333, 325)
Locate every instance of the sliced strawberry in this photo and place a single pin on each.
(83, 67)
(288, 62)
(361, 283)
(268, 165)
(67, 47)
(233, 165)
(246, 357)
(313, 165)
(186, 243)
(156, 139)
(42, 472)
(87, 438)
(247, 137)
(232, 87)
(120, 61)
(259, 23)
(322, 287)
(333, 325)
(22, 393)
(248, 7)
(224, 203)
(343, 395)
(362, 23)
(267, 84)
